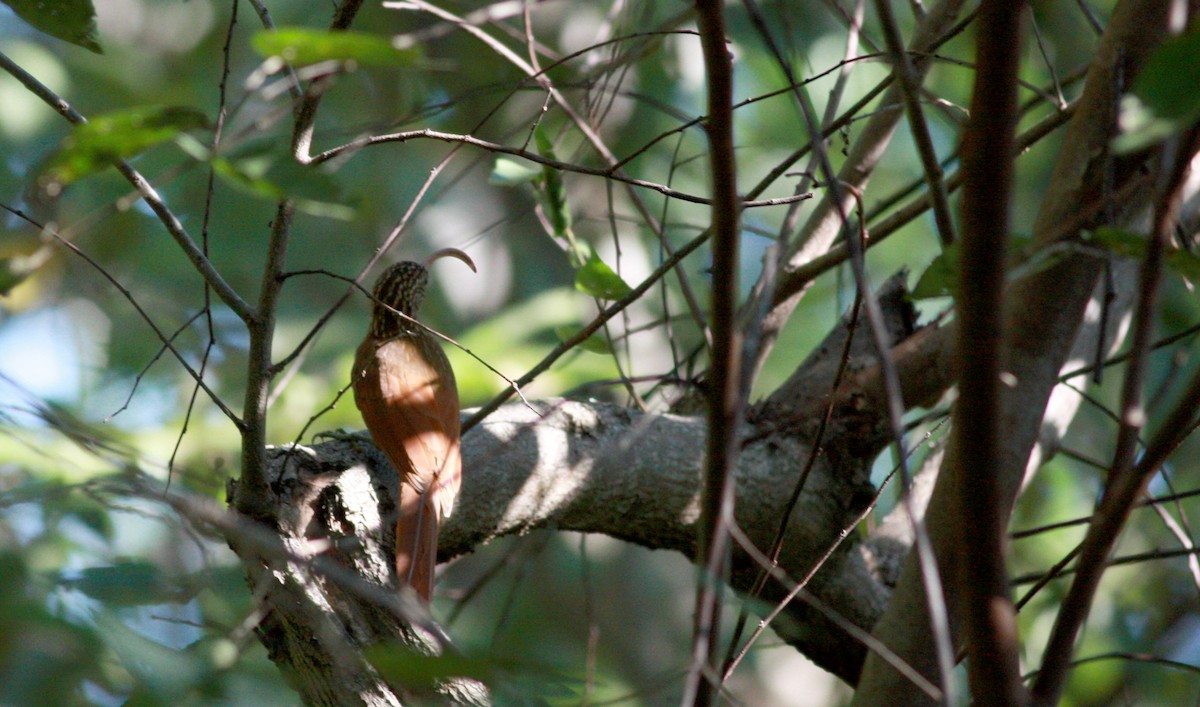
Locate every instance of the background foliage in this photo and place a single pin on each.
(107, 595)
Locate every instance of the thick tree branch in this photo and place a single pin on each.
(976, 436)
(727, 391)
(601, 468)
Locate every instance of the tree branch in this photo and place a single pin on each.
(976, 434)
(1042, 319)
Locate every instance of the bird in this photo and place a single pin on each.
(405, 389)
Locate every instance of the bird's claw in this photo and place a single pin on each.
(342, 435)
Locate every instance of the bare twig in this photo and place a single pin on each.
(910, 83)
(163, 338)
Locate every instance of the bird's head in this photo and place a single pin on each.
(402, 288)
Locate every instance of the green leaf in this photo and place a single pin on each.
(1184, 263)
(1120, 241)
(314, 192)
(1133, 245)
(72, 21)
(303, 46)
(131, 583)
(1164, 99)
(595, 278)
(508, 172)
(97, 144)
(553, 190)
(941, 277)
(593, 344)
(408, 667)
(16, 268)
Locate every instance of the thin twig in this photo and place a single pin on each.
(1126, 479)
(166, 341)
(591, 328)
(871, 642)
(910, 84)
(147, 192)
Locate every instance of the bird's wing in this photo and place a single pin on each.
(406, 392)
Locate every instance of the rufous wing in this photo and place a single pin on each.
(406, 392)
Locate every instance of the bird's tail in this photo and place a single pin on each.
(416, 540)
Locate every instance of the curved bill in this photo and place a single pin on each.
(452, 253)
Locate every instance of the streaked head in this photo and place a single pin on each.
(402, 288)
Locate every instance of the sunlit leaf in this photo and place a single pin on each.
(303, 46)
(95, 145)
(594, 344)
(508, 172)
(1164, 99)
(595, 278)
(73, 21)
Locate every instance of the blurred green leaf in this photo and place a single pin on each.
(314, 192)
(1133, 245)
(1165, 98)
(595, 278)
(1184, 263)
(72, 21)
(167, 674)
(43, 659)
(509, 172)
(97, 144)
(414, 670)
(303, 46)
(130, 583)
(594, 344)
(941, 277)
(519, 336)
(93, 514)
(15, 269)
(1118, 240)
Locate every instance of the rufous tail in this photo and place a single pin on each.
(416, 541)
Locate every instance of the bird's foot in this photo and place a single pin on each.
(341, 435)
